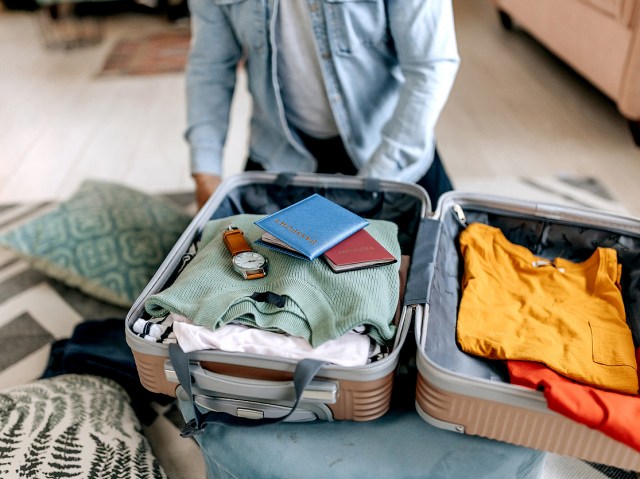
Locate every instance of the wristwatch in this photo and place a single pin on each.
(248, 263)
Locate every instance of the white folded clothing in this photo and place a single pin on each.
(150, 329)
(350, 349)
(170, 339)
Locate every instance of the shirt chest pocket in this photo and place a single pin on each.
(248, 20)
(612, 346)
(354, 25)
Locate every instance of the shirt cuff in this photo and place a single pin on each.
(206, 160)
(393, 164)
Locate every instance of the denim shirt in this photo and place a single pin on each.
(388, 67)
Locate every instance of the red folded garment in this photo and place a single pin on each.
(614, 414)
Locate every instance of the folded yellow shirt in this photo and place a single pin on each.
(569, 316)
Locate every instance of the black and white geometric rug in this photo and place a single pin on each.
(35, 311)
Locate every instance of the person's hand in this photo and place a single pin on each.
(206, 184)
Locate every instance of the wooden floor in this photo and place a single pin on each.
(515, 110)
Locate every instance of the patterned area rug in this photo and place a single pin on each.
(162, 52)
(35, 311)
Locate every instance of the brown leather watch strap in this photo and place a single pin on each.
(258, 275)
(235, 242)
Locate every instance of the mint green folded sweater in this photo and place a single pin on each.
(319, 304)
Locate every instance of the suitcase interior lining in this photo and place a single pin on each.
(400, 208)
(544, 238)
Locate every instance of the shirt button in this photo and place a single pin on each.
(326, 55)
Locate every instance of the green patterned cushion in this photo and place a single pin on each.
(107, 240)
(72, 426)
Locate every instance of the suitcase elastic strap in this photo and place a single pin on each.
(304, 373)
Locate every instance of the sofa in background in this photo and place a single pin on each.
(600, 39)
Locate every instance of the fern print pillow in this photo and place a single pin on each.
(72, 426)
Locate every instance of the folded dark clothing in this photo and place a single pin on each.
(99, 347)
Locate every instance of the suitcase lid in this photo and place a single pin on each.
(433, 284)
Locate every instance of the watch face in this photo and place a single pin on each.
(249, 260)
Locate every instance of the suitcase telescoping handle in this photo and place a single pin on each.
(304, 373)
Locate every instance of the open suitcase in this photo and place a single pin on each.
(455, 391)
(469, 395)
(250, 386)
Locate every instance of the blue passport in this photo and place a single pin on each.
(308, 228)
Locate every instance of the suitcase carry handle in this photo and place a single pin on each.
(304, 373)
(325, 391)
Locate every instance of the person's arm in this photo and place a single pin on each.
(206, 184)
(210, 80)
(424, 36)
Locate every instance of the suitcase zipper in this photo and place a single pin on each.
(460, 216)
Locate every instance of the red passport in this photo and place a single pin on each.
(358, 251)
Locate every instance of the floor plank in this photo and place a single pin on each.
(515, 110)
